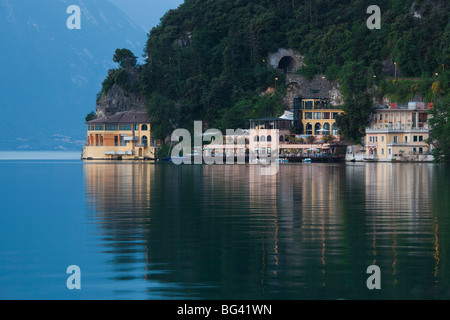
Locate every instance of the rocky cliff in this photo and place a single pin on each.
(118, 100)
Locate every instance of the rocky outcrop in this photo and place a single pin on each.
(118, 100)
(319, 86)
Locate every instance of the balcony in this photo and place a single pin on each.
(396, 128)
(407, 144)
(131, 138)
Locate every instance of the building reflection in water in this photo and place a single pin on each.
(399, 209)
(228, 232)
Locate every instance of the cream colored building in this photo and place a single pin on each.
(398, 132)
(125, 136)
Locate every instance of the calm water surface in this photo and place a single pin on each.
(159, 231)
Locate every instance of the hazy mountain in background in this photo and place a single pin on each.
(146, 13)
(50, 75)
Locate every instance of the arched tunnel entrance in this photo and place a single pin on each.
(287, 65)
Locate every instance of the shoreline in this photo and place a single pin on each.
(39, 155)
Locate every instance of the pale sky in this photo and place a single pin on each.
(146, 13)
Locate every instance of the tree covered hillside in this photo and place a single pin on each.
(206, 60)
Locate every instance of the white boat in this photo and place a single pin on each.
(307, 160)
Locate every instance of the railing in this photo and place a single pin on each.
(131, 138)
(370, 157)
(395, 128)
(408, 144)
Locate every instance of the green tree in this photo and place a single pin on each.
(160, 111)
(353, 122)
(310, 139)
(328, 138)
(235, 117)
(125, 58)
(440, 130)
(90, 116)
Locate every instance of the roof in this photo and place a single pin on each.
(314, 98)
(130, 118)
(288, 115)
(268, 119)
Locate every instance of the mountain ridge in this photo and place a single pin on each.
(51, 74)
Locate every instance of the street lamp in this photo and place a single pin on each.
(395, 64)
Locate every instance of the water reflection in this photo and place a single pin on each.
(310, 232)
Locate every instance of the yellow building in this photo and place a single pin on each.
(316, 116)
(398, 132)
(124, 136)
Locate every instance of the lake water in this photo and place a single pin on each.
(160, 231)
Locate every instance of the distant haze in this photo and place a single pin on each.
(51, 75)
(146, 13)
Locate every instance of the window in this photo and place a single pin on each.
(144, 127)
(116, 141)
(125, 127)
(263, 139)
(395, 139)
(415, 138)
(420, 150)
(389, 151)
(135, 127)
(269, 138)
(144, 141)
(99, 127)
(382, 151)
(122, 141)
(382, 138)
(420, 138)
(281, 138)
(317, 115)
(334, 129)
(326, 115)
(326, 128)
(308, 104)
(318, 129)
(308, 115)
(111, 127)
(309, 128)
(381, 116)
